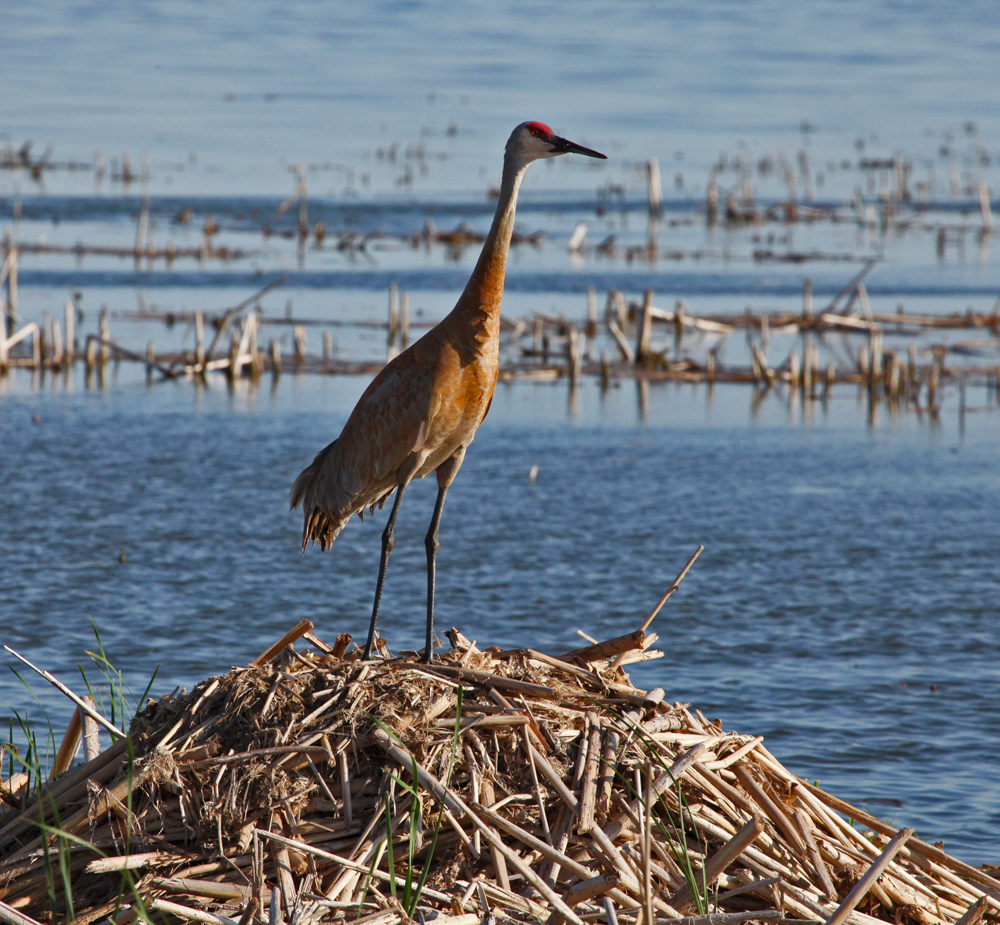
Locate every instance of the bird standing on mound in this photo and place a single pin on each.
(421, 411)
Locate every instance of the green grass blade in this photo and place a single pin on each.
(388, 846)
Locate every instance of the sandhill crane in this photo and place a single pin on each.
(421, 411)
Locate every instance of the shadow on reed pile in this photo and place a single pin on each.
(311, 786)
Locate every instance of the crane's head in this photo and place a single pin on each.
(533, 140)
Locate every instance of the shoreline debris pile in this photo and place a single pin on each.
(311, 786)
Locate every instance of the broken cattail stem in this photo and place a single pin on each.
(105, 335)
(984, 207)
(645, 328)
(70, 745)
(805, 830)
(655, 185)
(275, 359)
(574, 359)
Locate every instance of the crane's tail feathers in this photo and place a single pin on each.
(321, 527)
(308, 490)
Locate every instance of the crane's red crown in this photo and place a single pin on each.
(540, 130)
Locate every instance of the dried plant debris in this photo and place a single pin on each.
(492, 785)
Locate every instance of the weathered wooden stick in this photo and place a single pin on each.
(623, 345)
(588, 796)
(210, 889)
(594, 886)
(731, 759)
(91, 734)
(499, 863)
(664, 599)
(108, 345)
(482, 677)
(733, 918)
(984, 207)
(852, 285)
(562, 666)
(313, 750)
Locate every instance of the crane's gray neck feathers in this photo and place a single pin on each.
(485, 287)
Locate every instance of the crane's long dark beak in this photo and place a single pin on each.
(565, 146)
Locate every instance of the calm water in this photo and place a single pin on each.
(845, 606)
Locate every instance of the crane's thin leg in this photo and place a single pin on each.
(432, 545)
(388, 544)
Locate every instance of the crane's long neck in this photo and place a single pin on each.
(485, 287)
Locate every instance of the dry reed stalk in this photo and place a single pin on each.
(805, 829)
(12, 916)
(652, 614)
(69, 746)
(718, 862)
(292, 744)
(189, 913)
(80, 703)
(866, 882)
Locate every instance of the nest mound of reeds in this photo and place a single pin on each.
(507, 785)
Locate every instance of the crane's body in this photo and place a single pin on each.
(421, 412)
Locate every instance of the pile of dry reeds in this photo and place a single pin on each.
(312, 786)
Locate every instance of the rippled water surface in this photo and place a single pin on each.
(845, 606)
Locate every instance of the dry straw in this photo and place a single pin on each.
(494, 785)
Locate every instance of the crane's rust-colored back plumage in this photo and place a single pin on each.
(420, 410)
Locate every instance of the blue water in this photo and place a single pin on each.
(250, 87)
(845, 605)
